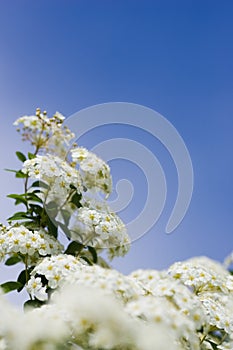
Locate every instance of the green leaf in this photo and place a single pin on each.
(52, 227)
(23, 198)
(35, 184)
(74, 248)
(22, 279)
(33, 303)
(37, 209)
(11, 170)
(13, 260)
(33, 197)
(50, 223)
(18, 197)
(20, 215)
(32, 225)
(76, 199)
(86, 259)
(73, 187)
(39, 184)
(31, 155)
(93, 253)
(19, 174)
(10, 286)
(21, 156)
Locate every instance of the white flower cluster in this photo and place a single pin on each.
(64, 188)
(95, 172)
(101, 228)
(160, 284)
(160, 311)
(189, 306)
(94, 225)
(56, 173)
(95, 304)
(109, 281)
(46, 133)
(66, 269)
(99, 321)
(18, 239)
(212, 285)
(54, 269)
(200, 276)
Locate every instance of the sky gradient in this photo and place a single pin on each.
(175, 57)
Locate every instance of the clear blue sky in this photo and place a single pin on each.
(173, 56)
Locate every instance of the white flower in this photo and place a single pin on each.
(95, 172)
(36, 289)
(79, 154)
(89, 217)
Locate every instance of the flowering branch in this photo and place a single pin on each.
(78, 301)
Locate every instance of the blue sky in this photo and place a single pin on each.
(175, 57)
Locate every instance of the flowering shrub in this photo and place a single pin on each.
(76, 301)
